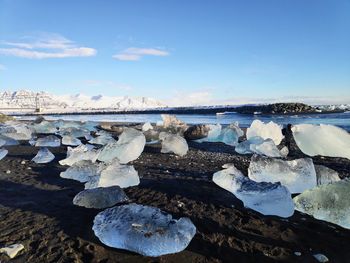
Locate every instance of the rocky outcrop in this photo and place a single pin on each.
(277, 108)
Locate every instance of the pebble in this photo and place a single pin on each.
(23, 162)
(297, 253)
(12, 250)
(8, 171)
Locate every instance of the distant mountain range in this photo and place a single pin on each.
(25, 99)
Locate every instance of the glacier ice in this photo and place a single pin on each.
(170, 121)
(8, 141)
(259, 146)
(147, 126)
(263, 197)
(115, 174)
(101, 197)
(143, 229)
(45, 127)
(19, 131)
(43, 156)
(173, 143)
(228, 135)
(82, 152)
(328, 202)
(2, 142)
(48, 141)
(83, 171)
(12, 250)
(297, 175)
(102, 139)
(75, 132)
(128, 148)
(325, 140)
(269, 130)
(326, 175)
(3, 153)
(70, 140)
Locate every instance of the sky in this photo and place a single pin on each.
(181, 52)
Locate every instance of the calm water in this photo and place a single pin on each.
(338, 119)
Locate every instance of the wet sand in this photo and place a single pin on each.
(36, 210)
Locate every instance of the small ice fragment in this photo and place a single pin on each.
(172, 143)
(143, 229)
(43, 156)
(70, 140)
(101, 197)
(12, 250)
(82, 152)
(297, 253)
(8, 171)
(48, 141)
(83, 171)
(147, 126)
(321, 258)
(3, 153)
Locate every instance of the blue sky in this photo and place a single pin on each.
(201, 52)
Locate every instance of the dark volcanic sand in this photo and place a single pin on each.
(36, 210)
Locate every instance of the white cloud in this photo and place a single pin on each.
(46, 46)
(134, 53)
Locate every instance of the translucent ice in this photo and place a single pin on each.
(269, 130)
(45, 127)
(3, 153)
(170, 121)
(259, 146)
(115, 174)
(43, 156)
(147, 126)
(266, 198)
(297, 175)
(8, 141)
(128, 148)
(48, 141)
(19, 131)
(329, 202)
(326, 175)
(83, 171)
(103, 139)
(228, 135)
(70, 140)
(12, 250)
(75, 132)
(326, 140)
(143, 229)
(172, 143)
(82, 152)
(101, 197)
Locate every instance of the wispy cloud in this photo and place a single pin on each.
(134, 53)
(45, 46)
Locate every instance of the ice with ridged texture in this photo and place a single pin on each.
(265, 198)
(129, 147)
(101, 197)
(259, 146)
(325, 140)
(3, 153)
(70, 140)
(45, 127)
(8, 141)
(147, 126)
(48, 141)
(115, 174)
(103, 139)
(75, 132)
(173, 143)
(143, 229)
(328, 202)
(83, 171)
(326, 175)
(19, 131)
(82, 152)
(297, 175)
(269, 130)
(43, 156)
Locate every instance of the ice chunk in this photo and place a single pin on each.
(74, 132)
(228, 135)
(321, 258)
(45, 127)
(70, 140)
(326, 175)
(12, 250)
(266, 198)
(172, 143)
(48, 141)
(19, 131)
(147, 126)
(43, 156)
(326, 140)
(284, 151)
(102, 140)
(8, 141)
(3, 153)
(297, 175)
(82, 152)
(128, 148)
(83, 171)
(115, 174)
(2, 142)
(101, 197)
(269, 130)
(170, 121)
(328, 202)
(259, 146)
(143, 229)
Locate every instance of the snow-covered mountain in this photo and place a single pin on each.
(24, 99)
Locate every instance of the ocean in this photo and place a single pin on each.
(339, 119)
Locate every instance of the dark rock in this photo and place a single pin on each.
(196, 132)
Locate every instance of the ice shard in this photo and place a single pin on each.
(48, 141)
(269, 130)
(43, 156)
(70, 140)
(172, 143)
(83, 171)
